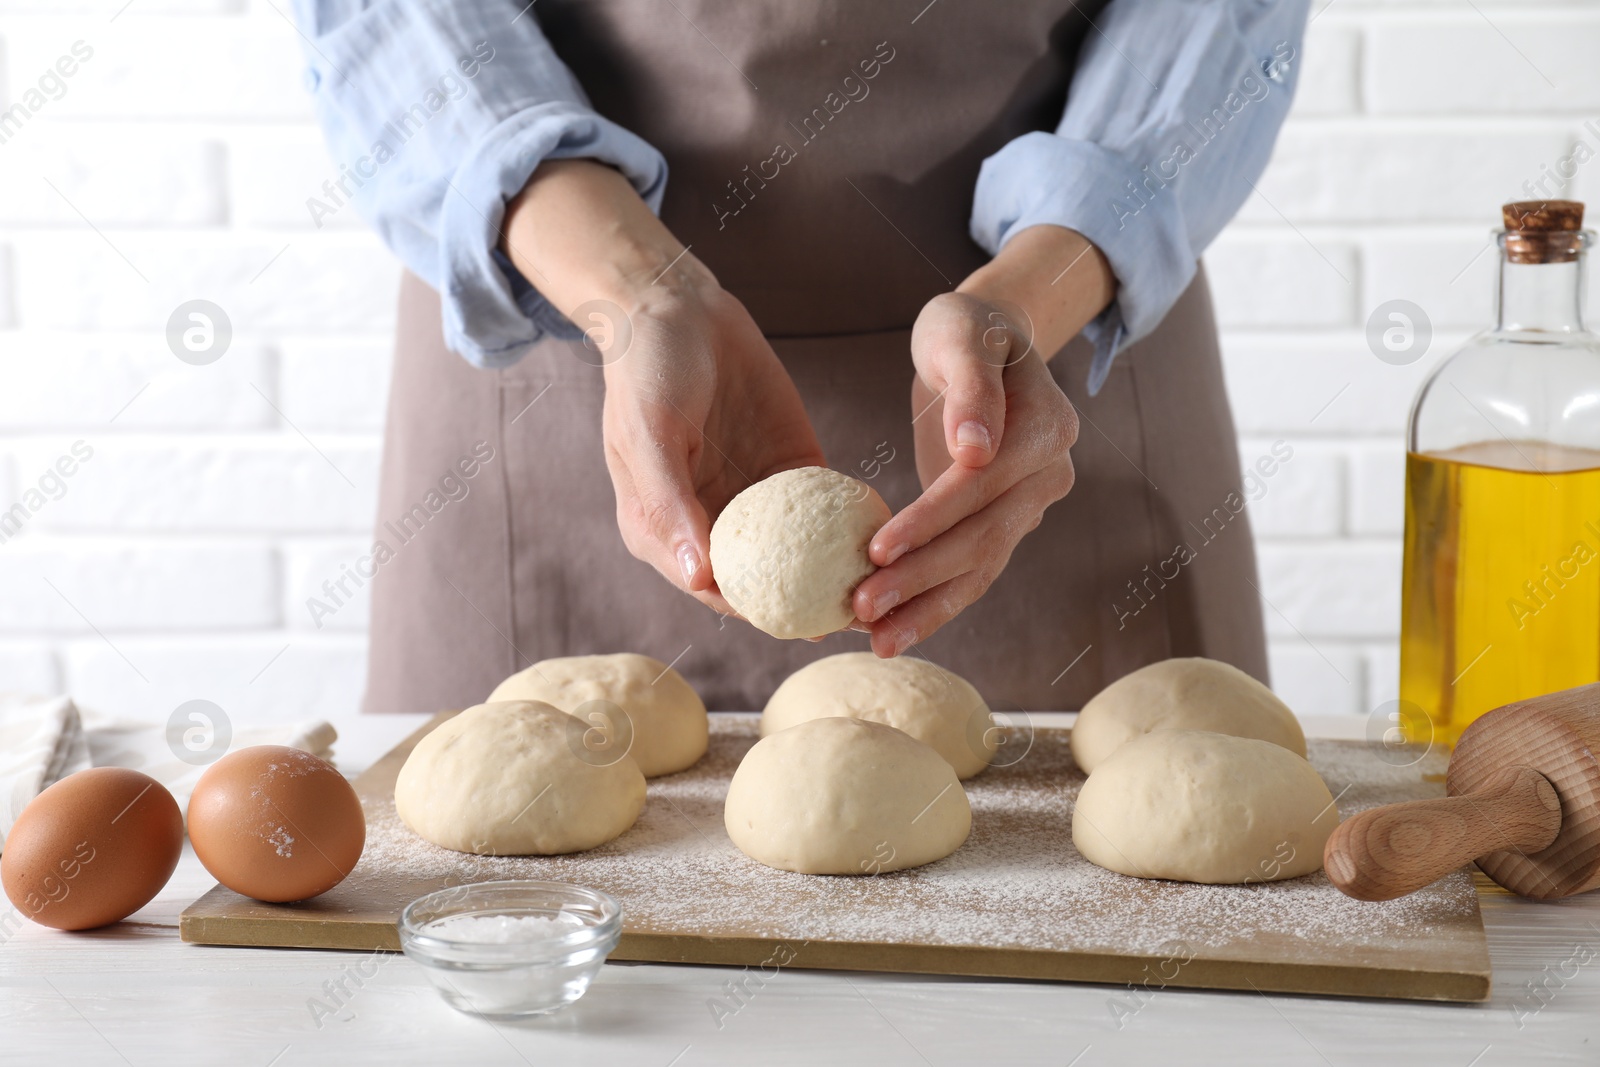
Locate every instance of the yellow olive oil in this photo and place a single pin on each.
(1501, 590)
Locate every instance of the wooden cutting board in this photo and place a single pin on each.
(1016, 901)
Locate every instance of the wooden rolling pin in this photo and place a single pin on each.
(1524, 802)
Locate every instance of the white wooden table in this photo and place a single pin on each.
(135, 994)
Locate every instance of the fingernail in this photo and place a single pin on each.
(860, 627)
(973, 434)
(689, 561)
(904, 639)
(896, 552)
(883, 602)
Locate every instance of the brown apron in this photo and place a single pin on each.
(834, 205)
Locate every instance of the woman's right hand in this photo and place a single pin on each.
(697, 405)
(696, 410)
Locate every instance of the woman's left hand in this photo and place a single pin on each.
(992, 431)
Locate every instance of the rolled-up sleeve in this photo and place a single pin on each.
(1171, 117)
(436, 113)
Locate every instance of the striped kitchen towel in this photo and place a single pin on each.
(41, 741)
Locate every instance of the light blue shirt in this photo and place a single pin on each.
(1170, 119)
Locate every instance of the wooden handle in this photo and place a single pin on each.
(1390, 851)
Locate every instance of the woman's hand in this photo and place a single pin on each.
(697, 404)
(992, 431)
(698, 409)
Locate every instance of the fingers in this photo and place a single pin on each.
(980, 544)
(712, 599)
(660, 517)
(1043, 428)
(974, 407)
(927, 433)
(896, 632)
(961, 347)
(959, 550)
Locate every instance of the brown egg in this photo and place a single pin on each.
(92, 849)
(276, 823)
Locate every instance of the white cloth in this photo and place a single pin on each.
(41, 741)
(44, 739)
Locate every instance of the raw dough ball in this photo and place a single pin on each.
(1182, 694)
(845, 796)
(664, 718)
(1194, 806)
(910, 694)
(789, 551)
(512, 779)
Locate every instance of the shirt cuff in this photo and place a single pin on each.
(1127, 212)
(491, 312)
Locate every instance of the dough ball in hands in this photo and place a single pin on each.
(845, 796)
(1194, 806)
(912, 695)
(1182, 694)
(789, 551)
(515, 779)
(663, 723)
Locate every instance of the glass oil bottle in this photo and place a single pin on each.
(1500, 592)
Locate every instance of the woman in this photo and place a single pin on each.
(871, 252)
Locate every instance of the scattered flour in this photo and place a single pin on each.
(1017, 882)
(282, 842)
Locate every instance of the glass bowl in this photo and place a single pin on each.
(510, 949)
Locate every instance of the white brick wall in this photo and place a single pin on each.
(1415, 120)
(219, 497)
(187, 140)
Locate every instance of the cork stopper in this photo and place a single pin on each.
(1543, 231)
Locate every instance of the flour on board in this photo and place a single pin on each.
(1017, 882)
